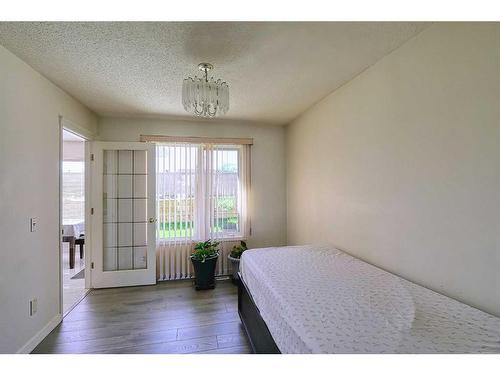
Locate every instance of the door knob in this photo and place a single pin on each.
(152, 220)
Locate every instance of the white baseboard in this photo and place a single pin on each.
(37, 339)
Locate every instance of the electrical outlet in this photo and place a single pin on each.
(33, 224)
(33, 306)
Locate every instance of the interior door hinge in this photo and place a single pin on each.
(91, 157)
(92, 265)
(92, 211)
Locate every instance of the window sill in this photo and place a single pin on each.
(194, 241)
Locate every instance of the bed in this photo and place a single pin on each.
(317, 299)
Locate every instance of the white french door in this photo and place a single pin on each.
(124, 209)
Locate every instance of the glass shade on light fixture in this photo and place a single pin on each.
(203, 96)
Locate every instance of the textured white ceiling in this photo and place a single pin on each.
(274, 70)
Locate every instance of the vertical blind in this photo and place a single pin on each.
(202, 193)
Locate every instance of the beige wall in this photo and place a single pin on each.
(29, 187)
(268, 207)
(401, 166)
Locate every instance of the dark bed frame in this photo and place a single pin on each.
(256, 329)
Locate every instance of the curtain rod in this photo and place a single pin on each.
(168, 138)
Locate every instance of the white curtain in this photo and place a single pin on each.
(203, 192)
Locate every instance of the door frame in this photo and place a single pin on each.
(70, 126)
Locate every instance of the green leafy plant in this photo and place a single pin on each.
(205, 250)
(227, 204)
(238, 250)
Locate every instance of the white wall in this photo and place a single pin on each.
(268, 208)
(401, 166)
(29, 187)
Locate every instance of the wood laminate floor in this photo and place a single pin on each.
(170, 317)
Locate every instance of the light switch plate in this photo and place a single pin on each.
(33, 306)
(33, 224)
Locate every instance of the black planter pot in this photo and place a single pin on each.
(235, 263)
(204, 273)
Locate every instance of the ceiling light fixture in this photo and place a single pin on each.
(205, 97)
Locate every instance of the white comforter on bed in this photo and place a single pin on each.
(322, 300)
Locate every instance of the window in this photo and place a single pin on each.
(202, 191)
(73, 192)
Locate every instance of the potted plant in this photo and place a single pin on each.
(204, 258)
(234, 257)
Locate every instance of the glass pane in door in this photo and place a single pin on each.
(125, 210)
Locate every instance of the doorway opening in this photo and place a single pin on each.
(73, 220)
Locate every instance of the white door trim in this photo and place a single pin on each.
(65, 124)
(75, 128)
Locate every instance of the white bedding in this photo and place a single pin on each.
(322, 300)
